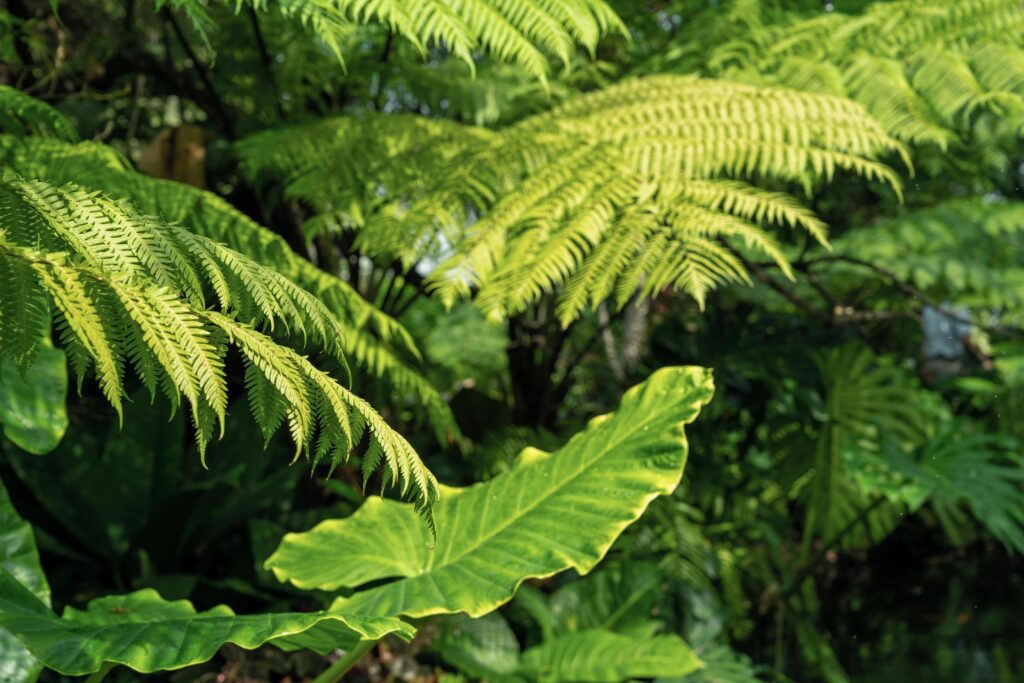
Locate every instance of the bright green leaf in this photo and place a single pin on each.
(19, 557)
(143, 631)
(598, 656)
(549, 513)
(484, 648)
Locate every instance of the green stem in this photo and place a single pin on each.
(98, 676)
(335, 671)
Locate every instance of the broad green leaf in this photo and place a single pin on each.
(32, 406)
(146, 633)
(549, 513)
(104, 484)
(598, 656)
(19, 557)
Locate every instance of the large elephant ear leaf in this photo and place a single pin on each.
(598, 656)
(551, 512)
(146, 633)
(19, 557)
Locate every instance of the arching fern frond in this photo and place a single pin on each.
(520, 32)
(552, 192)
(129, 290)
(373, 340)
(926, 70)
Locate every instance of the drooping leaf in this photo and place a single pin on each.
(552, 511)
(19, 557)
(597, 656)
(146, 633)
(32, 407)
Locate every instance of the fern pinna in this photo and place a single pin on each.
(126, 289)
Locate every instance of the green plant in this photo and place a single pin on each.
(430, 241)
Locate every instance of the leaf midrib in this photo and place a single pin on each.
(544, 497)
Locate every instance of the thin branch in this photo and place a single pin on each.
(204, 76)
(266, 60)
(914, 293)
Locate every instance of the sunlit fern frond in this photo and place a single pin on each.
(22, 114)
(527, 210)
(526, 33)
(373, 340)
(926, 70)
(132, 291)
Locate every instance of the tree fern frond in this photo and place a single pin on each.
(24, 312)
(548, 189)
(203, 223)
(71, 292)
(343, 417)
(521, 32)
(115, 313)
(924, 69)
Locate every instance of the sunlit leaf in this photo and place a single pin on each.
(552, 511)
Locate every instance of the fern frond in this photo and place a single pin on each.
(520, 32)
(95, 259)
(549, 189)
(926, 70)
(295, 288)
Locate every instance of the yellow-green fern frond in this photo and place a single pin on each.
(520, 32)
(204, 222)
(926, 70)
(130, 291)
(524, 211)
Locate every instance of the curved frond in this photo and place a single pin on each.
(926, 70)
(130, 292)
(524, 211)
(520, 32)
(230, 248)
